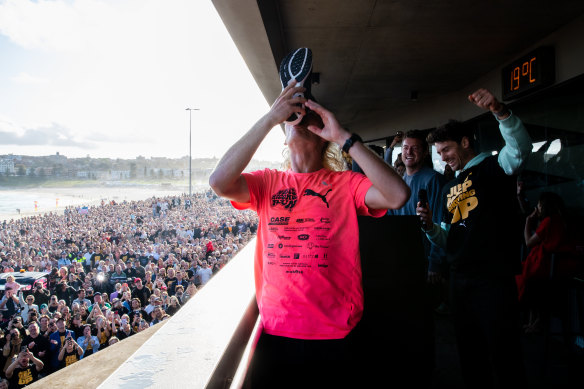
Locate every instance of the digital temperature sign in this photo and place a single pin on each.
(529, 73)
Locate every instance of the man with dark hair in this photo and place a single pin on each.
(65, 292)
(37, 343)
(9, 303)
(141, 292)
(41, 295)
(419, 176)
(479, 234)
(137, 310)
(81, 298)
(57, 340)
(24, 370)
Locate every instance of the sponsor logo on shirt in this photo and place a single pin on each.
(294, 271)
(286, 198)
(310, 192)
(325, 220)
(310, 256)
(296, 256)
(279, 221)
(283, 237)
(322, 265)
(461, 201)
(270, 245)
(311, 246)
(271, 255)
(303, 236)
(284, 256)
(306, 220)
(289, 229)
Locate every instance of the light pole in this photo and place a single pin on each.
(190, 136)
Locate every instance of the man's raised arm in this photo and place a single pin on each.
(226, 180)
(517, 141)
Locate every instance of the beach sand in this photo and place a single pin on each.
(79, 196)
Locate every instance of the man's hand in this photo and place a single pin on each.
(287, 103)
(396, 139)
(484, 99)
(332, 130)
(425, 215)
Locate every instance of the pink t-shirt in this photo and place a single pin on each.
(307, 262)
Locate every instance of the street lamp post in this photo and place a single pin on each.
(190, 157)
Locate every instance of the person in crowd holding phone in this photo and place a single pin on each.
(479, 233)
(57, 340)
(9, 303)
(88, 342)
(27, 304)
(420, 176)
(12, 347)
(24, 370)
(70, 353)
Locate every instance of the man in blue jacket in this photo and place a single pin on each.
(58, 340)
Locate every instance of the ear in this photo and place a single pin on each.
(465, 143)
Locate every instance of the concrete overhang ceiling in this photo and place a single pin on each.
(371, 54)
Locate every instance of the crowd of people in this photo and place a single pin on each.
(111, 271)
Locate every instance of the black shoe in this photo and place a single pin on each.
(297, 65)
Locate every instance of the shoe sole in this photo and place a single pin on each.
(296, 65)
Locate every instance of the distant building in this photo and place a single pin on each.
(7, 166)
(119, 174)
(43, 171)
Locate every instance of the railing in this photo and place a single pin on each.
(202, 344)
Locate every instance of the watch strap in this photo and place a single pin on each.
(351, 141)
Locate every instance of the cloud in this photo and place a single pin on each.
(120, 73)
(52, 135)
(25, 78)
(45, 25)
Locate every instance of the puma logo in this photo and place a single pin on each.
(310, 192)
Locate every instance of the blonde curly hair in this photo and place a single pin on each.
(332, 156)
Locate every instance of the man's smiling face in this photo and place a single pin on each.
(413, 153)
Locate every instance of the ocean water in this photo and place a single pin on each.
(41, 200)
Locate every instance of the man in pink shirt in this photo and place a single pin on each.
(307, 264)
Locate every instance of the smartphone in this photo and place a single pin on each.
(423, 196)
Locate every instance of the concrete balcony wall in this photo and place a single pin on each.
(200, 346)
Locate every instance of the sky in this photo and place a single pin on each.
(113, 79)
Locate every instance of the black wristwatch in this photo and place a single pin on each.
(351, 141)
